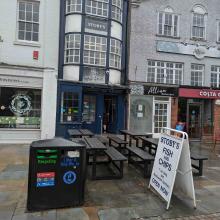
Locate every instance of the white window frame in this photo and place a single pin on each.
(103, 2)
(68, 48)
(115, 53)
(199, 10)
(197, 71)
(117, 5)
(218, 76)
(95, 50)
(165, 68)
(163, 24)
(32, 22)
(73, 6)
(218, 31)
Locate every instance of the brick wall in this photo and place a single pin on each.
(174, 112)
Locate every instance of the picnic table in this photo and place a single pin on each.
(79, 133)
(94, 145)
(150, 143)
(135, 135)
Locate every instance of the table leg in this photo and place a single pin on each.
(94, 165)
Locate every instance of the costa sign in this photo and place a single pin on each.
(199, 93)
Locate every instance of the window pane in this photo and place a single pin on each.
(21, 108)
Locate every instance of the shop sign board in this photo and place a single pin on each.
(199, 93)
(96, 25)
(172, 164)
(161, 91)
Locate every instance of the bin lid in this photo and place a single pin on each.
(56, 142)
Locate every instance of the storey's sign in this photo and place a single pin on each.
(199, 93)
(161, 91)
(94, 25)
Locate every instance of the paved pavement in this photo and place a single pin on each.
(126, 199)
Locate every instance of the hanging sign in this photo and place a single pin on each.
(172, 164)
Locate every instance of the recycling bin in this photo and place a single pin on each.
(57, 174)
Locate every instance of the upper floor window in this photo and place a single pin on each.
(115, 53)
(97, 7)
(215, 76)
(73, 6)
(165, 72)
(117, 10)
(218, 31)
(72, 48)
(168, 23)
(28, 21)
(197, 72)
(199, 23)
(95, 49)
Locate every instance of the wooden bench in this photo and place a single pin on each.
(117, 160)
(142, 157)
(200, 159)
(103, 139)
(120, 142)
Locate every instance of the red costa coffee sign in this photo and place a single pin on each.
(199, 93)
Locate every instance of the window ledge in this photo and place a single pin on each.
(198, 39)
(26, 43)
(159, 35)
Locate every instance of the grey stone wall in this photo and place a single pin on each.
(144, 29)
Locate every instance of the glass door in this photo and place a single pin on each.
(110, 114)
(161, 116)
(194, 120)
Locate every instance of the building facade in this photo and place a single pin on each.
(174, 66)
(29, 33)
(92, 65)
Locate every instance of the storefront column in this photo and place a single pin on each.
(174, 112)
(49, 94)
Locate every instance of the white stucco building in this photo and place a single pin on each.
(29, 40)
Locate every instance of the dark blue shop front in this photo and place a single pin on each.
(99, 108)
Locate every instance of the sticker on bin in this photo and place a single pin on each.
(69, 177)
(68, 162)
(45, 179)
(72, 154)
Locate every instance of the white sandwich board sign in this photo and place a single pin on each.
(172, 165)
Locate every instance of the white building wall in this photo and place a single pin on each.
(18, 57)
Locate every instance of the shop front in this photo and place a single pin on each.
(152, 107)
(100, 109)
(27, 104)
(198, 109)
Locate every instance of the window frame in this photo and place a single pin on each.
(72, 106)
(199, 10)
(175, 70)
(25, 22)
(95, 51)
(203, 72)
(96, 8)
(113, 54)
(118, 9)
(74, 49)
(218, 31)
(73, 5)
(217, 73)
(164, 13)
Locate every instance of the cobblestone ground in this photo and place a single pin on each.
(125, 199)
(215, 216)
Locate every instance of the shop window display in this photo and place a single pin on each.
(20, 108)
